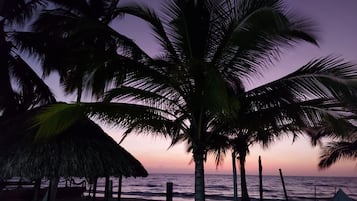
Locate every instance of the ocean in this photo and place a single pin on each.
(220, 187)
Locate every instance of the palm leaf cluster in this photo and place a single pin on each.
(337, 150)
(342, 141)
(21, 88)
(74, 39)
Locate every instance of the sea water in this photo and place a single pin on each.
(220, 187)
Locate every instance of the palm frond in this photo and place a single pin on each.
(32, 86)
(156, 24)
(55, 118)
(327, 77)
(335, 151)
(58, 117)
(253, 36)
(18, 11)
(218, 146)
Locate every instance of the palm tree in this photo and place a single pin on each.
(75, 39)
(209, 49)
(285, 107)
(21, 88)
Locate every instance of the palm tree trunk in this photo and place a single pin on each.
(199, 176)
(245, 196)
(235, 186)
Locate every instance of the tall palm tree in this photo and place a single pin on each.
(21, 88)
(209, 49)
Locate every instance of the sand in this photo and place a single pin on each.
(102, 199)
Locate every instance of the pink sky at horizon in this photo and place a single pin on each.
(337, 22)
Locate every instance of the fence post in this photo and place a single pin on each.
(169, 191)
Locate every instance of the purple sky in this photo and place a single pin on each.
(337, 32)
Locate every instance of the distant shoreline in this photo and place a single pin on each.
(141, 199)
(225, 174)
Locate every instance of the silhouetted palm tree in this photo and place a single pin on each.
(284, 107)
(75, 39)
(209, 49)
(21, 88)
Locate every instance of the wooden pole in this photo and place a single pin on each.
(106, 189)
(52, 189)
(110, 189)
(315, 193)
(235, 185)
(169, 191)
(95, 188)
(260, 179)
(119, 187)
(37, 188)
(282, 180)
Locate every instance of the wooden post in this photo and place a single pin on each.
(282, 180)
(37, 188)
(52, 189)
(119, 187)
(106, 189)
(169, 191)
(315, 193)
(110, 189)
(260, 179)
(235, 185)
(95, 188)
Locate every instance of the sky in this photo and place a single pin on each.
(336, 22)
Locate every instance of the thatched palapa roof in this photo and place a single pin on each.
(83, 150)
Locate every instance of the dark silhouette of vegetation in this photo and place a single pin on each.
(21, 88)
(342, 141)
(193, 92)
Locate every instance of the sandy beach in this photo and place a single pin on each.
(102, 199)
